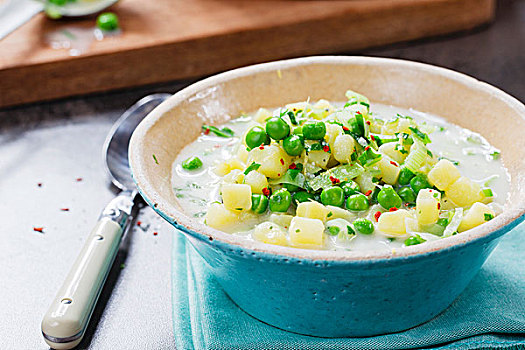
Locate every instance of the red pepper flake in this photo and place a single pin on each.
(368, 122)
(79, 179)
(282, 161)
(368, 193)
(139, 223)
(326, 148)
(345, 128)
(334, 180)
(266, 191)
(286, 227)
(377, 215)
(64, 209)
(392, 209)
(261, 147)
(206, 131)
(357, 112)
(217, 146)
(367, 148)
(372, 137)
(38, 229)
(155, 233)
(393, 163)
(292, 166)
(439, 206)
(39, 184)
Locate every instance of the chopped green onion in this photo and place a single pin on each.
(253, 166)
(192, 163)
(342, 173)
(455, 162)
(488, 192)
(495, 155)
(420, 135)
(488, 216)
(224, 132)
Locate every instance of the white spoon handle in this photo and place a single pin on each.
(65, 322)
(17, 12)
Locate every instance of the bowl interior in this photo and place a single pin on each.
(458, 98)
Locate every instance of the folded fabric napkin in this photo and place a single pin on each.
(489, 314)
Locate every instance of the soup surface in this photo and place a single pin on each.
(340, 176)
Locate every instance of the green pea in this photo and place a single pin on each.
(388, 198)
(58, 2)
(364, 226)
(294, 145)
(259, 203)
(277, 128)
(280, 201)
(333, 196)
(107, 21)
(407, 194)
(256, 136)
(404, 176)
(192, 163)
(417, 239)
(298, 130)
(419, 182)
(314, 130)
(357, 202)
(350, 188)
(302, 196)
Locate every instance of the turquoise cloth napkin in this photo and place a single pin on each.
(489, 314)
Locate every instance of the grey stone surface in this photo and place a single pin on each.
(54, 143)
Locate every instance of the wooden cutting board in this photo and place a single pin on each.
(164, 40)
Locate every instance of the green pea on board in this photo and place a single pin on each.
(107, 21)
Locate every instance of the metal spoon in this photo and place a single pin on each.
(65, 322)
(14, 13)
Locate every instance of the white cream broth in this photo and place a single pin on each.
(197, 189)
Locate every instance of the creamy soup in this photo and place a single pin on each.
(340, 176)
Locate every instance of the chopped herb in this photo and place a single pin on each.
(420, 135)
(350, 230)
(474, 139)
(391, 239)
(430, 153)
(441, 128)
(455, 162)
(334, 230)
(155, 159)
(488, 216)
(329, 214)
(488, 192)
(38, 229)
(298, 230)
(238, 208)
(224, 132)
(192, 163)
(253, 166)
(495, 155)
(417, 239)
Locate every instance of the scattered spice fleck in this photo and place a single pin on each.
(79, 179)
(206, 131)
(292, 166)
(64, 209)
(155, 233)
(326, 148)
(139, 223)
(266, 191)
(39, 184)
(368, 193)
(345, 128)
(368, 122)
(377, 215)
(367, 148)
(261, 147)
(392, 209)
(155, 159)
(38, 229)
(439, 206)
(372, 137)
(334, 180)
(393, 163)
(282, 161)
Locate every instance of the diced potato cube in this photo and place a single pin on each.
(390, 150)
(320, 158)
(323, 104)
(392, 223)
(443, 174)
(478, 214)
(464, 192)
(427, 206)
(237, 196)
(235, 176)
(305, 231)
(389, 169)
(228, 165)
(273, 159)
(283, 220)
(221, 218)
(343, 148)
(332, 131)
(271, 233)
(256, 180)
(339, 213)
(404, 125)
(261, 115)
(312, 210)
(242, 153)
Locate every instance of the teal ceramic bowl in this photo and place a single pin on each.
(335, 293)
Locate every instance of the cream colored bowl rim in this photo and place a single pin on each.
(503, 222)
